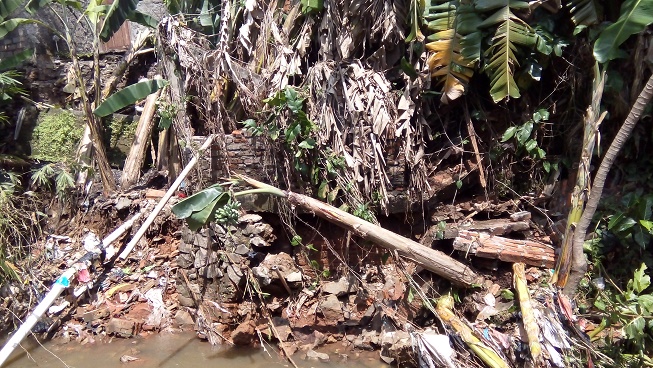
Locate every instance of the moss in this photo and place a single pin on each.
(56, 136)
(120, 131)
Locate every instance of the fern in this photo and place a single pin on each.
(455, 45)
(502, 54)
(583, 12)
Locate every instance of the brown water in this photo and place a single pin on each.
(168, 350)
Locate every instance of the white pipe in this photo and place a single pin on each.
(155, 212)
(60, 285)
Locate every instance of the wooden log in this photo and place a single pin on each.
(509, 250)
(493, 227)
(431, 259)
(132, 170)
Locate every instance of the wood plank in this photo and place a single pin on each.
(504, 249)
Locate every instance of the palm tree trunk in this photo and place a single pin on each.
(579, 263)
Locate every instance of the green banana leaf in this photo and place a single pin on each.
(583, 12)
(502, 54)
(7, 7)
(13, 61)
(143, 19)
(119, 11)
(11, 24)
(128, 96)
(34, 5)
(200, 208)
(635, 16)
(197, 201)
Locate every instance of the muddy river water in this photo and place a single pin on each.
(170, 350)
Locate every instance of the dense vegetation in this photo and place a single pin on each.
(532, 92)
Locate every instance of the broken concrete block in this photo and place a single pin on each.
(121, 327)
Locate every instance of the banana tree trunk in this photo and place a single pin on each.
(580, 194)
(579, 263)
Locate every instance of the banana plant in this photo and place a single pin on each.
(128, 96)
(455, 45)
(635, 16)
(104, 21)
(511, 32)
(583, 12)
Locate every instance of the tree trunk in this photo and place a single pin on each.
(579, 196)
(132, 170)
(431, 259)
(94, 124)
(579, 263)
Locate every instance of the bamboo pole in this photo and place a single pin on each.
(155, 212)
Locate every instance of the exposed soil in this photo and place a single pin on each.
(247, 284)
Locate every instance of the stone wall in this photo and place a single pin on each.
(248, 155)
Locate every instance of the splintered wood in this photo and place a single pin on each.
(504, 249)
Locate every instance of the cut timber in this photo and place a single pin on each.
(132, 170)
(431, 259)
(504, 249)
(493, 227)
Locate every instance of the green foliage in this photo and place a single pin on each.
(128, 96)
(634, 224)
(201, 208)
(167, 113)
(312, 6)
(56, 136)
(524, 138)
(297, 135)
(118, 12)
(510, 33)
(9, 87)
(632, 310)
(56, 173)
(496, 32)
(363, 211)
(19, 223)
(635, 16)
(201, 15)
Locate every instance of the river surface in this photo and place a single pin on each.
(170, 350)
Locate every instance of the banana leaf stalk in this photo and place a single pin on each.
(486, 353)
(528, 317)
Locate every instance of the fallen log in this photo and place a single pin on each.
(504, 249)
(493, 227)
(431, 259)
